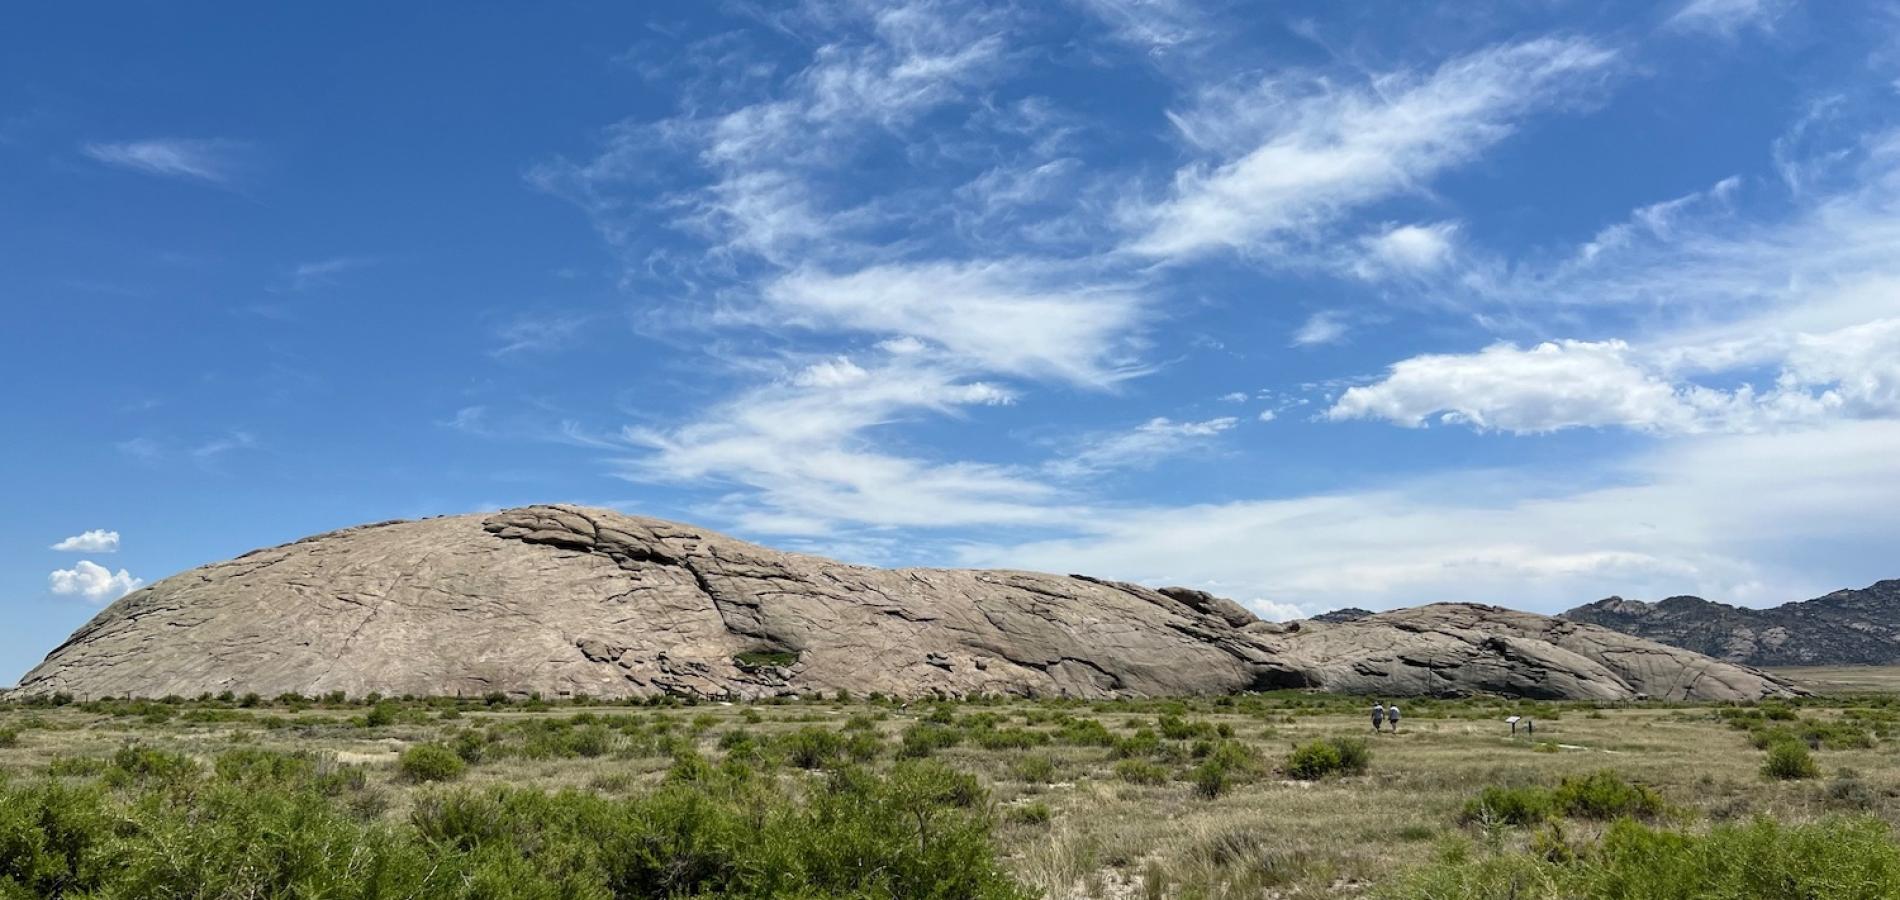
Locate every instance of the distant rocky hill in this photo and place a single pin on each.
(1346, 614)
(566, 600)
(1850, 627)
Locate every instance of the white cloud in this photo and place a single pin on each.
(1408, 249)
(1267, 415)
(1852, 372)
(1321, 328)
(1013, 317)
(768, 164)
(1323, 151)
(1551, 386)
(802, 450)
(1144, 445)
(92, 581)
(216, 161)
(1723, 516)
(217, 447)
(1735, 324)
(529, 334)
(1728, 17)
(324, 271)
(97, 540)
(1152, 25)
(143, 449)
(1274, 611)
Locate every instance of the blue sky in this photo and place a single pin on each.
(1305, 304)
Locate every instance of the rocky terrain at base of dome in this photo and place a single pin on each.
(565, 601)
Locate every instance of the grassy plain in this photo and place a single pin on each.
(1119, 799)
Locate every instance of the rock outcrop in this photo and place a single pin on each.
(565, 600)
(1845, 628)
(1459, 648)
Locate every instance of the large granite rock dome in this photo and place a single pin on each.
(566, 600)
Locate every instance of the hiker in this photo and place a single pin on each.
(1392, 714)
(1378, 715)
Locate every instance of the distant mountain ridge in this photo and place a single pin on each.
(1847, 627)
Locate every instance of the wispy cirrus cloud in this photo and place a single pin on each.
(804, 448)
(1297, 154)
(304, 276)
(1140, 447)
(1015, 317)
(529, 334)
(1728, 17)
(216, 161)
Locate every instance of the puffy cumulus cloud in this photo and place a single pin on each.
(1852, 372)
(1144, 445)
(1555, 385)
(92, 581)
(1274, 611)
(1318, 151)
(97, 540)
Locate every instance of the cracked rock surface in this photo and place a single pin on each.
(567, 600)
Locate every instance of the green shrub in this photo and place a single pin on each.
(1226, 765)
(1141, 771)
(863, 746)
(470, 745)
(9, 736)
(1789, 760)
(1509, 806)
(1175, 728)
(1835, 735)
(1846, 859)
(430, 762)
(252, 765)
(1142, 743)
(762, 659)
(1007, 738)
(1605, 795)
(1033, 813)
(811, 747)
(380, 715)
(137, 763)
(1328, 756)
(1036, 768)
(1085, 733)
(926, 738)
(77, 766)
